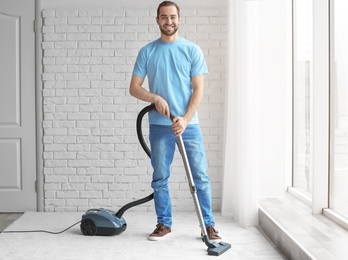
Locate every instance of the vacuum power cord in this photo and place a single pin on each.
(41, 231)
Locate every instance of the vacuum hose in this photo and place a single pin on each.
(147, 151)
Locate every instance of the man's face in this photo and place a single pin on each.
(168, 20)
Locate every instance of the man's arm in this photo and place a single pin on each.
(180, 123)
(137, 91)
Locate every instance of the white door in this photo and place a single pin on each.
(17, 106)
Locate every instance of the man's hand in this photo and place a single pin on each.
(162, 106)
(179, 125)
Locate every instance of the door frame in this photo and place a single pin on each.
(38, 105)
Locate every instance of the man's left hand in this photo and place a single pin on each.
(179, 125)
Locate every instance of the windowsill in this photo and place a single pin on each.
(336, 218)
(300, 195)
(298, 233)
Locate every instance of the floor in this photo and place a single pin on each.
(7, 219)
(247, 243)
(304, 235)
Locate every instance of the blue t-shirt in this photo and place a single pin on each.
(169, 68)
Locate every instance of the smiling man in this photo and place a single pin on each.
(175, 68)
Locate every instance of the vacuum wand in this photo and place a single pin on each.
(191, 184)
(215, 249)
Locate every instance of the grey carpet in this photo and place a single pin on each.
(183, 243)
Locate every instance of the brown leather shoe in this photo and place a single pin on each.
(213, 234)
(160, 232)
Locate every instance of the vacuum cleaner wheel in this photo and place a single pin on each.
(88, 227)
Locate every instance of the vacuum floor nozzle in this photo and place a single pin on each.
(218, 248)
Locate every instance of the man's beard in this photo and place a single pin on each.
(165, 32)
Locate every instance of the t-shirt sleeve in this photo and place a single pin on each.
(198, 64)
(140, 69)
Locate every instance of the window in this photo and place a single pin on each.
(303, 85)
(320, 63)
(339, 108)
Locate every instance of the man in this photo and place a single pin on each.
(175, 68)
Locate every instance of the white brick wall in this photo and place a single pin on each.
(92, 157)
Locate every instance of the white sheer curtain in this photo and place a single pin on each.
(240, 191)
(258, 132)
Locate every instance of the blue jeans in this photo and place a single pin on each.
(163, 142)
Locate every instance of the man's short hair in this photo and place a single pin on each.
(168, 3)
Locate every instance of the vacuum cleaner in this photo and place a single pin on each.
(104, 222)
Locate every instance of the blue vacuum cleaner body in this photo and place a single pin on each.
(102, 222)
